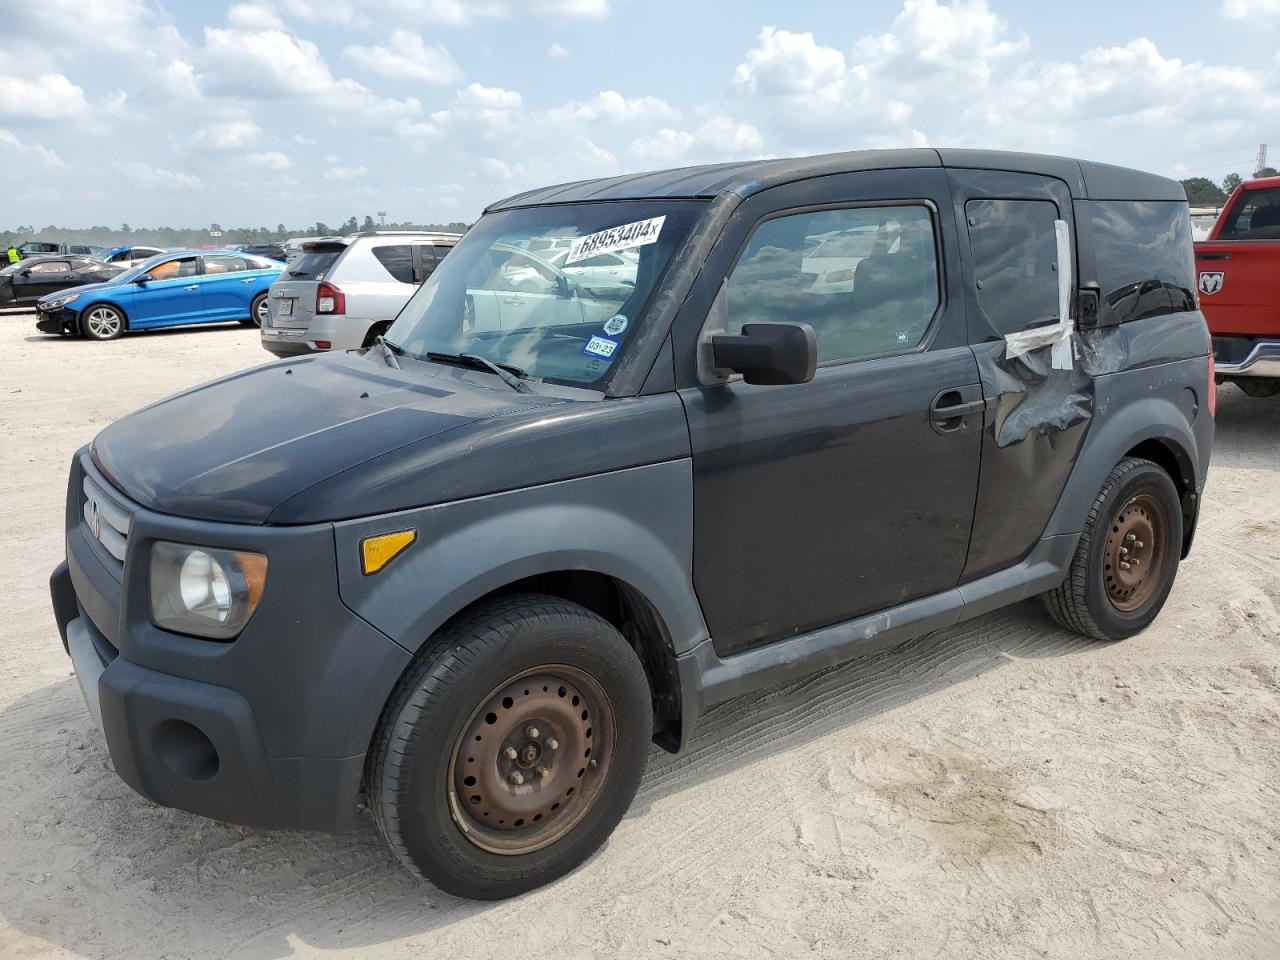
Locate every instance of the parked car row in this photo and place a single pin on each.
(28, 280)
(180, 287)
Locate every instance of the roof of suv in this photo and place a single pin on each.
(1086, 179)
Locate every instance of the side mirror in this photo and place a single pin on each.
(768, 353)
(144, 279)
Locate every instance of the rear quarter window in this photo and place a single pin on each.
(397, 260)
(1146, 264)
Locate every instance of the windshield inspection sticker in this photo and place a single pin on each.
(637, 234)
(615, 324)
(600, 347)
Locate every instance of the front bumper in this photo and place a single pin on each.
(269, 730)
(1246, 357)
(61, 320)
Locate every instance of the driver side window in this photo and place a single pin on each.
(865, 279)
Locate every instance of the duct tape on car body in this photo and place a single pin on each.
(1056, 336)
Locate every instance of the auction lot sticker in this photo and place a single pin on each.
(637, 234)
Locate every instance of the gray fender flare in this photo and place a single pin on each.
(1110, 438)
(635, 525)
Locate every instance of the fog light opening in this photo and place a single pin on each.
(185, 750)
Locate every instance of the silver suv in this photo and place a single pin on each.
(342, 292)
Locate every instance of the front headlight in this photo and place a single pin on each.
(61, 301)
(204, 591)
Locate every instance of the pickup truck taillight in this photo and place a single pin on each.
(329, 299)
(1213, 391)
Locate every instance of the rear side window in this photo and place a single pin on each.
(223, 264)
(874, 292)
(1146, 264)
(1256, 216)
(397, 259)
(51, 266)
(313, 264)
(1015, 261)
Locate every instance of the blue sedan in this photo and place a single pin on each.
(197, 286)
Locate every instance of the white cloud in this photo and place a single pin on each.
(254, 16)
(271, 160)
(929, 39)
(1255, 10)
(136, 172)
(345, 173)
(49, 96)
(718, 138)
(227, 135)
(454, 12)
(178, 79)
(790, 64)
(609, 106)
(49, 158)
(557, 51)
(8, 139)
(265, 64)
(407, 57)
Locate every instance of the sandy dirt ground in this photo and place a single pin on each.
(1003, 789)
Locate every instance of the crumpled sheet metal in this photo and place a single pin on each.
(1034, 398)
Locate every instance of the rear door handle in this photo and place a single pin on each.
(248, 279)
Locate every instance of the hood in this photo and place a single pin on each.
(78, 289)
(233, 449)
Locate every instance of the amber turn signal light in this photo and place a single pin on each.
(377, 552)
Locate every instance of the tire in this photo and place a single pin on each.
(511, 748)
(1259, 389)
(1136, 519)
(257, 311)
(101, 321)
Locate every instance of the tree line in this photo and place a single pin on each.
(1201, 191)
(176, 238)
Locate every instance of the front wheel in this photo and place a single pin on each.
(102, 322)
(1127, 557)
(511, 748)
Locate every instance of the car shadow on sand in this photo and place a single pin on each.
(200, 328)
(94, 868)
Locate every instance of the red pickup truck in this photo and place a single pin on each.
(1238, 271)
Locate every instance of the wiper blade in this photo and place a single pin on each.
(508, 374)
(388, 352)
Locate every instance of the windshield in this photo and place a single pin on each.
(499, 295)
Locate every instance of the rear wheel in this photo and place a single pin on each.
(101, 322)
(1127, 557)
(257, 312)
(511, 748)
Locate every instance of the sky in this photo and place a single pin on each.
(290, 111)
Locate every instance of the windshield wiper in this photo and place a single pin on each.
(388, 351)
(508, 374)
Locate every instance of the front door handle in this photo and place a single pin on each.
(248, 279)
(194, 286)
(949, 408)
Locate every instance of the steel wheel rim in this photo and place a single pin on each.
(103, 322)
(559, 723)
(1136, 552)
(260, 311)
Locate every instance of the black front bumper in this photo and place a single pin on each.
(56, 321)
(269, 730)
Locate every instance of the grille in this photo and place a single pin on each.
(106, 518)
